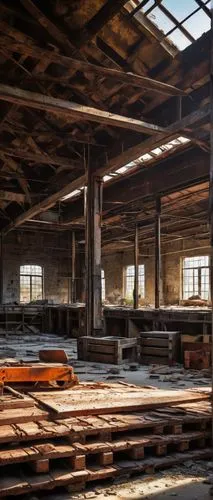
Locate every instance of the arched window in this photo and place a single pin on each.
(31, 283)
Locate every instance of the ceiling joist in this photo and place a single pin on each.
(73, 110)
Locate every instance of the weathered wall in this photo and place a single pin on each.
(114, 267)
(49, 251)
(53, 253)
(172, 266)
(172, 255)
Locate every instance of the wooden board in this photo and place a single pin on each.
(91, 399)
(14, 399)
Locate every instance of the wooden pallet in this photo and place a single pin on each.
(24, 481)
(134, 446)
(84, 429)
(41, 449)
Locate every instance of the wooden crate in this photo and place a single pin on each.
(113, 350)
(159, 347)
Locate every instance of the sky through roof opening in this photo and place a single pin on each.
(180, 21)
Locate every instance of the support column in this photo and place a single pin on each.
(211, 201)
(136, 268)
(73, 294)
(157, 255)
(93, 255)
(1, 270)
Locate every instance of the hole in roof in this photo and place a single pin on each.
(180, 9)
(198, 24)
(179, 39)
(161, 20)
(149, 4)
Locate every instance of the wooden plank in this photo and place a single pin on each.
(154, 342)
(83, 401)
(100, 357)
(100, 349)
(16, 415)
(73, 110)
(155, 334)
(12, 196)
(155, 351)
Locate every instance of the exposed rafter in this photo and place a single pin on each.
(71, 109)
(143, 82)
(125, 157)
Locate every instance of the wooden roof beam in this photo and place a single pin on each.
(116, 162)
(11, 196)
(43, 158)
(132, 79)
(73, 110)
(51, 28)
(109, 10)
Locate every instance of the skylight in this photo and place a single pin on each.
(140, 161)
(181, 21)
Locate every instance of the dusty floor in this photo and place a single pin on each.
(185, 482)
(176, 482)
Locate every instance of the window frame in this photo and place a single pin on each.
(30, 276)
(103, 288)
(141, 288)
(199, 269)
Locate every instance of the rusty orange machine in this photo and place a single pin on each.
(38, 374)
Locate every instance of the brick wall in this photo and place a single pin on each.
(172, 254)
(172, 266)
(114, 268)
(46, 250)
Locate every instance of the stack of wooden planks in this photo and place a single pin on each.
(97, 431)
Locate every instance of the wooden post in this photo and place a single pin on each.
(1, 271)
(73, 295)
(211, 197)
(136, 268)
(93, 254)
(157, 255)
(179, 107)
